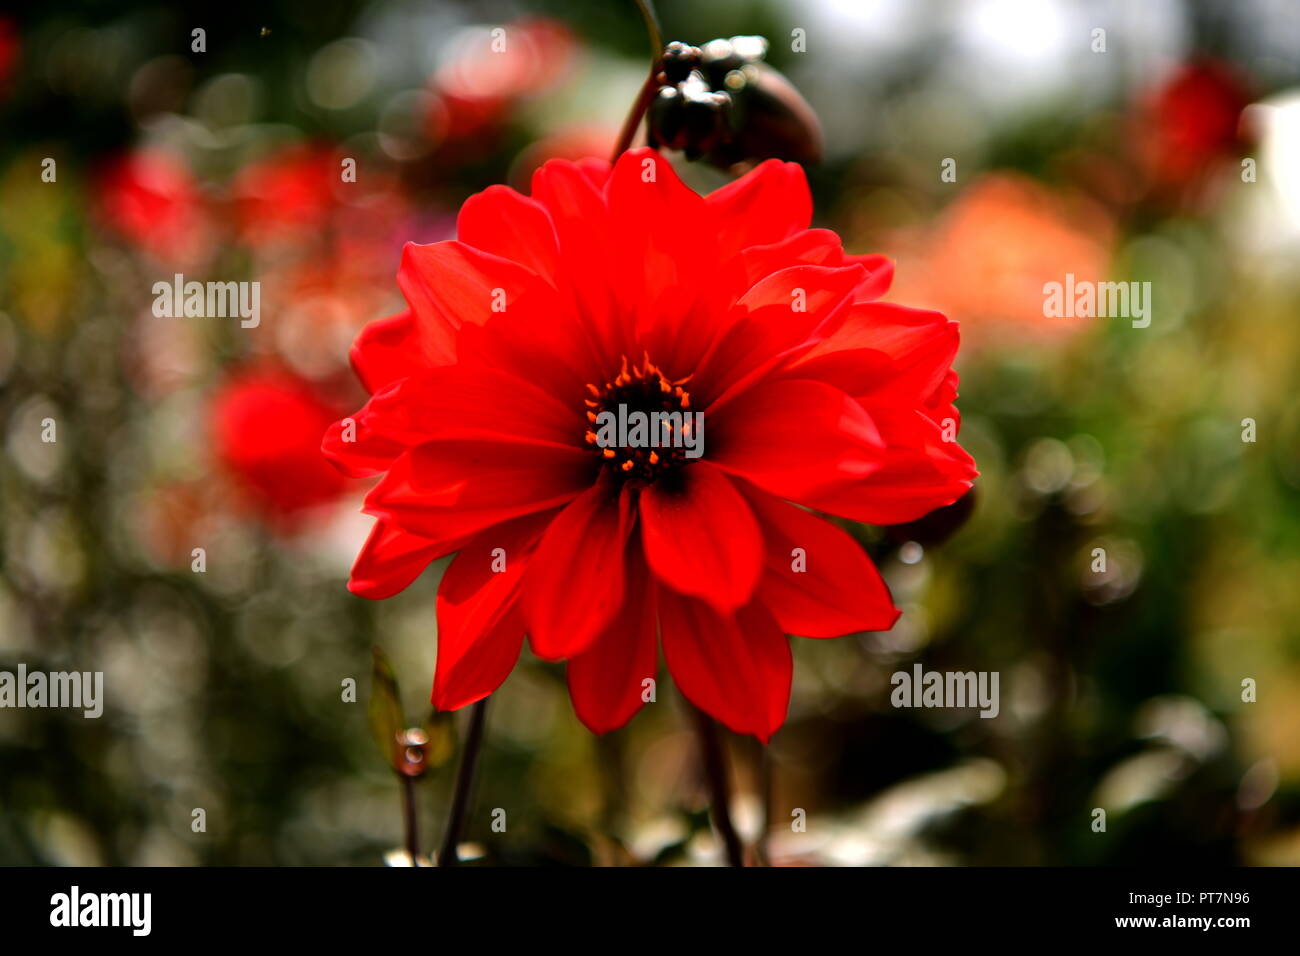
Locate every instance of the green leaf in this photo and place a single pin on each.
(440, 726)
(385, 708)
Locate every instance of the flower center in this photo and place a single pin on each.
(641, 423)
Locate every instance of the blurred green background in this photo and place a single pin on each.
(1121, 689)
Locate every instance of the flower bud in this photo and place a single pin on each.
(690, 117)
(679, 60)
(721, 102)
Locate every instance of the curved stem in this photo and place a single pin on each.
(652, 27)
(635, 115)
(715, 771)
(464, 785)
(613, 812)
(765, 790)
(412, 825)
(646, 94)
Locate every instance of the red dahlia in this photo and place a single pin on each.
(625, 288)
(265, 425)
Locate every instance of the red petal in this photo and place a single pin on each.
(356, 449)
(814, 247)
(838, 591)
(480, 626)
(700, 536)
(921, 344)
(880, 276)
(450, 489)
(771, 329)
(388, 350)
(818, 247)
(451, 402)
(920, 472)
(459, 403)
(576, 204)
(735, 668)
(595, 169)
(765, 205)
(551, 348)
(451, 284)
(606, 681)
(896, 362)
(575, 586)
(392, 558)
(794, 438)
(653, 274)
(504, 223)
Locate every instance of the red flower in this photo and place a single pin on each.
(9, 54)
(286, 194)
(488, 71)
(266, 426)
(1192, 120)
(152, 199)
(628, 288)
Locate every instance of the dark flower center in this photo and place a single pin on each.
(641, 423)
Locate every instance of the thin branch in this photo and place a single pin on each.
(635, 114)
(715, 770)
(412, 825)
(652, 27)
(646, 93)
(765, 780)
(460, 801)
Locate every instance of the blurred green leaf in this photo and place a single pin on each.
(440, 727)
(385, 708)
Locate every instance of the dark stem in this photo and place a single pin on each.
(613, 813)
(652, 28)
(643, 98)
(636, 114)
(456, 819)
(765, 793)
(715, 771)
(409, 818)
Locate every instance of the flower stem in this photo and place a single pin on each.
(634, 116)
(652, 28)
(646, 94)
(611, 752)
(765, 790)
(715, 771)
(409, 819)
(456, 819)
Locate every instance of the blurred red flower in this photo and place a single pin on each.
(266, 425)
(286, 194)
(151, 199)
(487, 71)
(1191, 121)
(985, 259)
(9, 54)
(627, 288)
